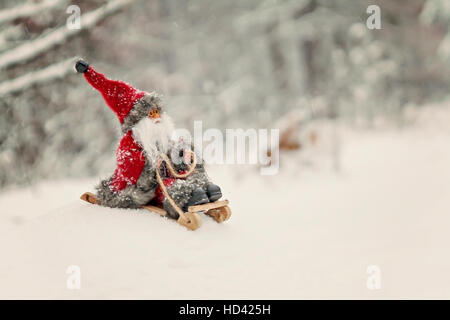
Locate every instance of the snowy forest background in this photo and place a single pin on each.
(245, 63)
(363, 190)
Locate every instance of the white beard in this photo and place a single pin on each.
(154, 137)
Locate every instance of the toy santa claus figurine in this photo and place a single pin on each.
(145, 152)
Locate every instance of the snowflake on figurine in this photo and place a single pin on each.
(154, 171)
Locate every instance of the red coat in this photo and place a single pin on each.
(130, 162)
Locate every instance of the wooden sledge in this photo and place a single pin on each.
(218, 210)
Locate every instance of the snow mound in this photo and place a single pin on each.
(304, 233)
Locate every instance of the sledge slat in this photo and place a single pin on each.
(193, 222)
(219, 214)
(89, 197)
(208, 206)
(154, 209)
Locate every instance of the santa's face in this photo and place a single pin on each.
(155, 115)
(154, 133)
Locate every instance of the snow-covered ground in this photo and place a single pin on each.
(308, 232)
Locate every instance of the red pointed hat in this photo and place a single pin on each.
(119, 95)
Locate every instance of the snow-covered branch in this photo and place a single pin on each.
(36, 47)
(50, 73)
(267, 15)
(28, 9)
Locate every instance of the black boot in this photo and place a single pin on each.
(214, 192)
(198, 197)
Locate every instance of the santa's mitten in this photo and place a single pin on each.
(81, 66)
